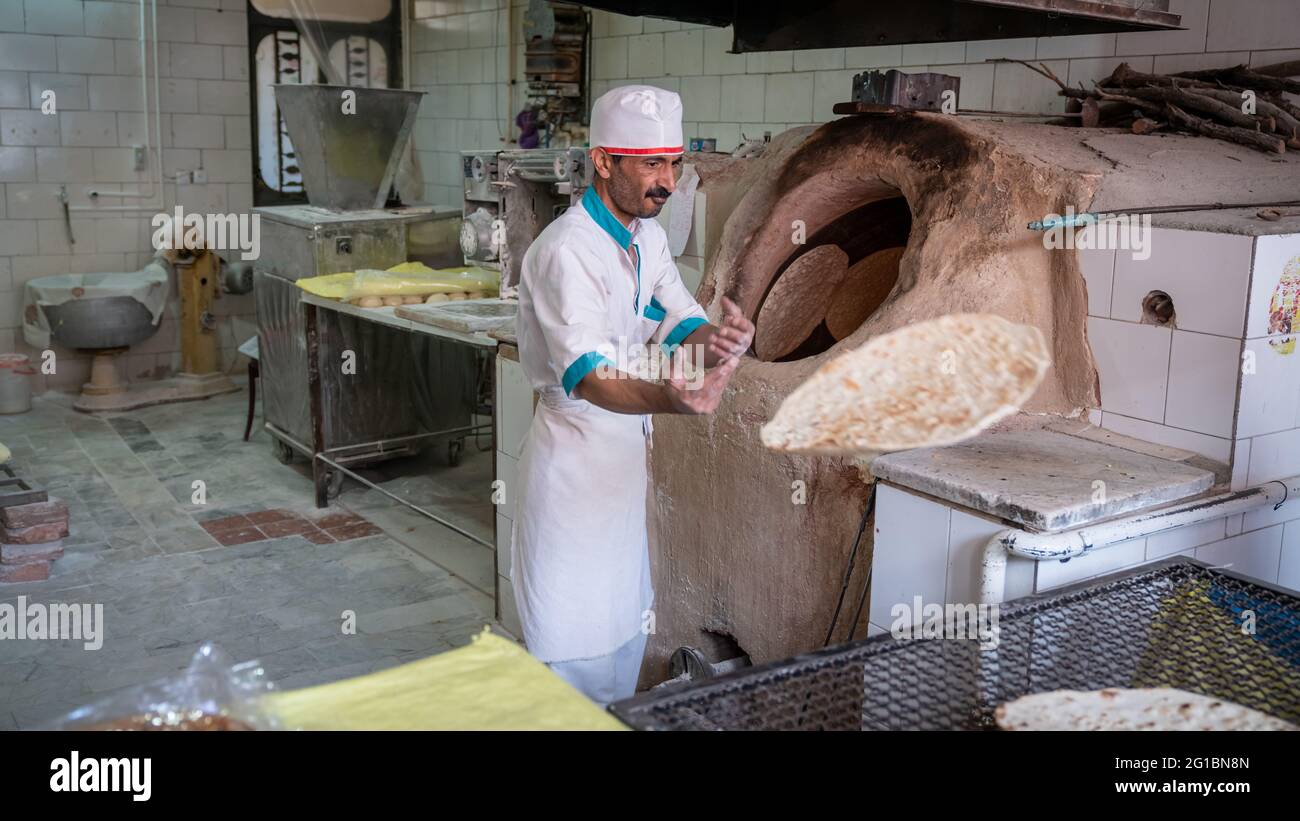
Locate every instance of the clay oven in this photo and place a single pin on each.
(749, 546)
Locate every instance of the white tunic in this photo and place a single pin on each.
(579, 557)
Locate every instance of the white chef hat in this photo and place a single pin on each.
(638, 120)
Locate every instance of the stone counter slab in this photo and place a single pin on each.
(1043, 480)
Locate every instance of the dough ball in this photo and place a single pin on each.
(412, 300)
(370, 302)
(455, 296)
(392, 300)
(436, 298)
(475, 295)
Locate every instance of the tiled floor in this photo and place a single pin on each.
(255, 568)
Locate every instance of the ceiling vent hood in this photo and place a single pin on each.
(767, 26)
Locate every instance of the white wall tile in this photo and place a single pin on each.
(976, 89)
(1268, 24)
(1133, 366)
(1213, 447)
(28, 127)
(684, 52)
(1098, 267)
(17, 164)
(717, 60)
(1203, 372)
(968, 536)
(88, 128)
(54, 16)
(70, 92)
(1270, 386)
(818, 59)
(1256, 554)
(789, 97)
(860, 57)
(1270, 515)
(1182, 539)
(226, 28)
(1275, 286)
(769, 62)
(112, 19)
(920, 54)
(1206, 274)
(1016, 88)
(86, 55)
(1289, 566)
(829, 88)
(645, 55)
(15, 92)
(609, 59)
(1076, 45)
(198, 131)
(204, 62)
(743, 97)
(1023, 48)
(1274, 456)
(1093, 563)
(910, 557)
(701, 97)
(28, 52)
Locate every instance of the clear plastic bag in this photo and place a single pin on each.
(211, 694)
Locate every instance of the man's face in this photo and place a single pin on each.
(641, 185)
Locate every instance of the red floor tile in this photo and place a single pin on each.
(318, 537)
(226, 523)
(234, 537)
(263, 517)
(336, 520)
(288, 527)
(353, 531)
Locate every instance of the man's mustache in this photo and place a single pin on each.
(661, 192)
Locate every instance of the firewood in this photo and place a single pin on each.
(1144, 126)
(1243, 136)
(1197, 102)
(1242, 75)
(1291, 68)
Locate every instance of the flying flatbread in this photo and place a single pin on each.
(927, 384)
(865, 286)
(797, 302)
(1161, 708)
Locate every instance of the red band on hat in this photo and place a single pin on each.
(676, 149)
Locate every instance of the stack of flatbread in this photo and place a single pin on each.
(1160, 708)
(925, 385)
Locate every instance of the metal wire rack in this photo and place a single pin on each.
(1175, 623)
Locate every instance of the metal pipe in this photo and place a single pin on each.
(352, 474)
(1067, 544)
(156, 179)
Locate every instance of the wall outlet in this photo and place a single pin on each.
(140, 157)
(199, 176)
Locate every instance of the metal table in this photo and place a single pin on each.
(330, 465)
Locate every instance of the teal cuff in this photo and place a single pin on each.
(684, 329)
(654, 311)
(582, 366)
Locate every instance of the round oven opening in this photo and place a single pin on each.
(831, 293)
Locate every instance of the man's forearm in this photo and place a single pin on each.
(621, 393)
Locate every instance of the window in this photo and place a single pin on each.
(361, 39)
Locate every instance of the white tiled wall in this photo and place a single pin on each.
(87, 52)
(927, 548)
(1222, 383)
(727, 95)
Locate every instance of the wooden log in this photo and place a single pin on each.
(1290, 68)
(1197, 102)
(1242, 136)
(1144, 126)
(1287, 123)
(1243, 76)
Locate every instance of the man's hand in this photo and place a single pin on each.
(733, 335)
(701, 397)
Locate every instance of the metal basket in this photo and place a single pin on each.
(1175, 623)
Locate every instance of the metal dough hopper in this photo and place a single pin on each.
(348, 162)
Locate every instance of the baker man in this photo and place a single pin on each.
(595, 284)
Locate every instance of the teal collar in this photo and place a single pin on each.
(605, 219)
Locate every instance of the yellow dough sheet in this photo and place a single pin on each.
(491, 684)
(404, 279)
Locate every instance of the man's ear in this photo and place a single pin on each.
(601, 160)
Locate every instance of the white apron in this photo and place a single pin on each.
(579, 556)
